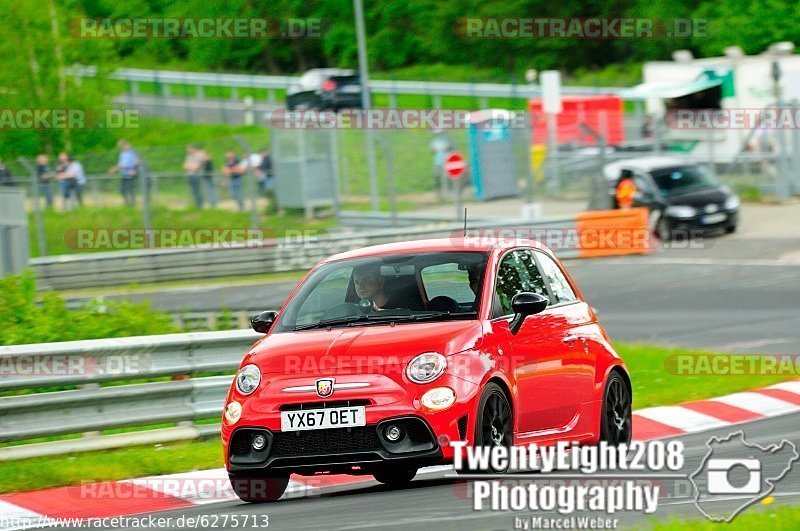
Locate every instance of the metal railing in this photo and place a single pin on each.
(118, 364)
(134, 76)
(238, 259)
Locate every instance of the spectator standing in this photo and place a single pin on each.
(5, 175)
(207, 171)
(233, 170)
(193, 166)
(268, 188)
(265, 172)
(254, 163)
(45, 176)
(75, 169)
(67, 181)
(128, 167)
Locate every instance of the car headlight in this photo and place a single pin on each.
(732, 203)
(233, 411)
(681, 211)
(439, 398)
(426, 367)
(247, 379)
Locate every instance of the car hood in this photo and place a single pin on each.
(699, 198)
(349, 350)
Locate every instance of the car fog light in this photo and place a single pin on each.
(232, 412)
(439, 398)
(393, 433)
(259, 442)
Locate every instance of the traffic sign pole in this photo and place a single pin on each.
(454, 167)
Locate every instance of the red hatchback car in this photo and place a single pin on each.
(383, 355)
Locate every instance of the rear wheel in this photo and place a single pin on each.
(395, 476)
(615, 424)
(494, 425)
(259, 489)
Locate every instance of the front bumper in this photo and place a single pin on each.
(426, 434)
(700, 224)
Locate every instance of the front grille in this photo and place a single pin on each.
(325, 405)
(322, 442)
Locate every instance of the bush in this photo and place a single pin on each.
(24, 320)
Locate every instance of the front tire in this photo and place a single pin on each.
(259, 489)
(494, 425)
(395, 477)
(615, 422)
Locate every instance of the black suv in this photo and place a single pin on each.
(325, 89)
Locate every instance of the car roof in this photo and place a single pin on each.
(475, 244)
(645, 164)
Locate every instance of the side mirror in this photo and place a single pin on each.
(262, 322)
(525, 304)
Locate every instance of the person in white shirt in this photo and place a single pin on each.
(71, 178)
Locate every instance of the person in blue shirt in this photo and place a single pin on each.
(128, 168)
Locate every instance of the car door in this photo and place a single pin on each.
(537, 349)
(581, 334)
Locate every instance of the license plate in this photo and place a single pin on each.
(320, 419)
(714, 218)
(351, 88)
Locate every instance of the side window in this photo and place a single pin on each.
(517, 273)
(562, 291)
(447, 280)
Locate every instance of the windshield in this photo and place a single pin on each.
(395, 288)
(681, 179)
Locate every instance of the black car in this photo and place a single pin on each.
(325, 89)
(684, 198)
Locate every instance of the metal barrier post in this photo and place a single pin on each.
(41, 238)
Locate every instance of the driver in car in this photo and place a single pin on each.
(369, 285)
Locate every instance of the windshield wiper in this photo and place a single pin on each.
(351, 320)
(428, 316)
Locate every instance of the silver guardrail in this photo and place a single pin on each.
(123, 402)
(241, 259)
(433, 88)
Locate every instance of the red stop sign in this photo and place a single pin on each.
(454, 165)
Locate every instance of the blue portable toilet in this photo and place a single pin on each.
(491, 154)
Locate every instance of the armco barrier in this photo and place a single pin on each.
(92, 408)
(254, 258)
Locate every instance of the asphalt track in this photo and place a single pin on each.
(438, 501)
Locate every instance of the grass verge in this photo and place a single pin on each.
(652, 385)
(773, 517)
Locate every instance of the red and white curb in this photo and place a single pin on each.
(176, 491)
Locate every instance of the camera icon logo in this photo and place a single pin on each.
(735, 474)
(719, 472)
